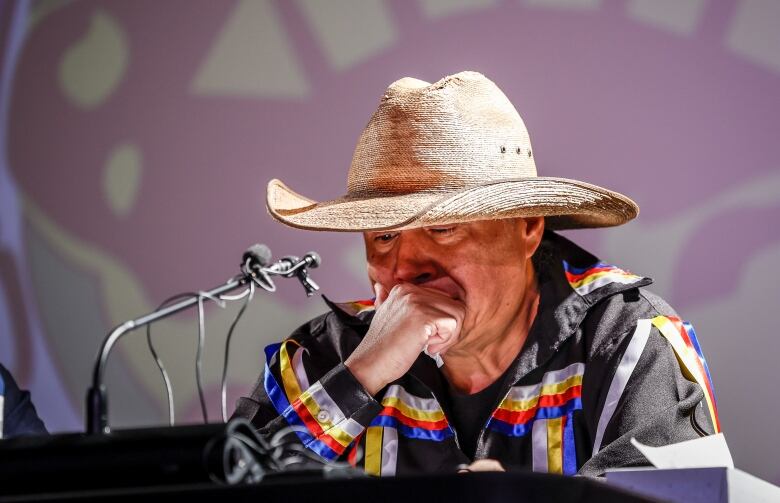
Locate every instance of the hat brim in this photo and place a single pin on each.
(565, 204)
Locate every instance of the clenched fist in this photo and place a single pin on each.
(407, 319)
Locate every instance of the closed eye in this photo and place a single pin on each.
(441, 231)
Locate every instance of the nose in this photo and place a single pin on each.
(412, 263)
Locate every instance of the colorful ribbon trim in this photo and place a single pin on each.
(521, 429)
(694, 367)
(546, 411)
(362, 305)
(352, 457)
(356, 307)
(569, 450)
(411, 431)
(329, 431)
(381, 451)
(695, 341)
(413, 416)
(554, 450)
(585, 280)
(373, 462)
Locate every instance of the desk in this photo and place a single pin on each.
(167, 464)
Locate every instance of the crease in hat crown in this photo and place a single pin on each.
(458, 132)
(451, 151)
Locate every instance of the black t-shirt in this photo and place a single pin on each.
(469, 413)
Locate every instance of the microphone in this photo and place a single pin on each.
(287, 266)
(256, 255)
(313, 259)
(291, 265)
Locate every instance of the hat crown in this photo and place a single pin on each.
(458, 132)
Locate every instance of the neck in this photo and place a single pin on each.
(476, 366)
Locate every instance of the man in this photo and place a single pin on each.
(549, 359)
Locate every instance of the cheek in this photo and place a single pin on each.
(377, 260)
(489, 288)
(378, 271)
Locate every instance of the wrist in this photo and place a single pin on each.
(364, 376)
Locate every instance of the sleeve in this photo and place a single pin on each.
(327, 415)
(657, 390)
(19, 417)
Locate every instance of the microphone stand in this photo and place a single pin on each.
(252, 270)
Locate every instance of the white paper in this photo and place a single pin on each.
(704, 452)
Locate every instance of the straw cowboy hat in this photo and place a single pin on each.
(449, 152)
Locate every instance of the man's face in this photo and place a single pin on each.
(484, 264)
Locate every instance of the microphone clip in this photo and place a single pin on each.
(308, 284)
(292, 266)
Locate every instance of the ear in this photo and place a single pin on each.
(534, 230)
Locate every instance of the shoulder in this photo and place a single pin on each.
(612, 321)
(605, 301)
(18, 412)
(8, 385)
(641, 332)
(10, 390)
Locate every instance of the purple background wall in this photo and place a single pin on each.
(136, 139)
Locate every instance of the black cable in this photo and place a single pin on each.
(199, 358)
(241, 455)
(283, 451)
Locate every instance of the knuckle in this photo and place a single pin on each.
(393, 292)
(403, 288)
(401, 291)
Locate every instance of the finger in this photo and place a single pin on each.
(433, 298)
(380, 294)
(486, 465)
(441, 348)
(454, 309)
(438, 349)
(446, 328)
(446, 335)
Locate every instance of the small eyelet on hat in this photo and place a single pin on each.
(529, 152)
(518, 150)
(503, 149)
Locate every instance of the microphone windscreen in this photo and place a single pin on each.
(258, 254)
(315, 259)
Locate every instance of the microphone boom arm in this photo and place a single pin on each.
(254, 269)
